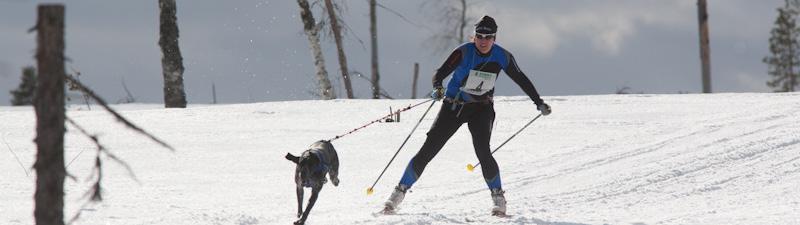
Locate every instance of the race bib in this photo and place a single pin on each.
(479, 82)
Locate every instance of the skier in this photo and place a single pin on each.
(468, 99)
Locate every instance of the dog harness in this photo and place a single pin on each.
(322, 167)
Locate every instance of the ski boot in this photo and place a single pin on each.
(395, 199)
(499, 208)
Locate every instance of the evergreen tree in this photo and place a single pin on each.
(23, 95)
(784, 47)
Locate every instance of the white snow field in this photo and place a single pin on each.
(608, 159)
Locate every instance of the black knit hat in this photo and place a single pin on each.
(486, 26)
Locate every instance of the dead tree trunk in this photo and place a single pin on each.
(312, 32)
(171, 61)
(49, 106)
(705, 51)
(414, 83)
(213, 93)
(463, 21)
(337, 36)
(376, 87)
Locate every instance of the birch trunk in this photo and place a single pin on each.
(312, 32)
(337, 36)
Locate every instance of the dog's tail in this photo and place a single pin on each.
(292, 158)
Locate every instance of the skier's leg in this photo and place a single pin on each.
(445, 125)
(480, 126)
(443, 128)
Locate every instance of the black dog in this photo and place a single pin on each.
(312, 165)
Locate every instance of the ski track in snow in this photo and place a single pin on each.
(610, 159)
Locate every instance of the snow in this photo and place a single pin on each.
(608, 159)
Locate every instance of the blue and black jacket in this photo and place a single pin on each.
(467, 57)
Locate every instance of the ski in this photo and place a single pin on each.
(388, 211)
(501, 215)
(385, 211)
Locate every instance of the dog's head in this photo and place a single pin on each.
(309, 168)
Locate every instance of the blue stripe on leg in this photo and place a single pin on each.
(495, 183)
(409, 176)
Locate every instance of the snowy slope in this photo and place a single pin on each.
(614, 159)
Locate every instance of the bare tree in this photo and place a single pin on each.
(95, 193)
(381, 91)
(213, 93)
(705, 51)
(128, 96)
(414, 83)
(312, 32)
(337, 35)
(49, 106)
(624, 90)
(463, 21)
(374, 40)
(451, 15)
(77, 75)
(172, 61)
(50, 117)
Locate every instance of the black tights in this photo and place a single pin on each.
(479, 118)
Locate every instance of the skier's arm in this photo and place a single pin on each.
(518, 77)
(447, 67)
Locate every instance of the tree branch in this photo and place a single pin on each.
(119, 117)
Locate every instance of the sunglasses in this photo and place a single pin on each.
(484, 36)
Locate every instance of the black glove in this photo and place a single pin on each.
(544, 108)
(437, 93)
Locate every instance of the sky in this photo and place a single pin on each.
(255, 51)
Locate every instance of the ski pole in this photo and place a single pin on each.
(370, 189)
(470, 167)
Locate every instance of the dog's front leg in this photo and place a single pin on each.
(311, 201)
(299, 201)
